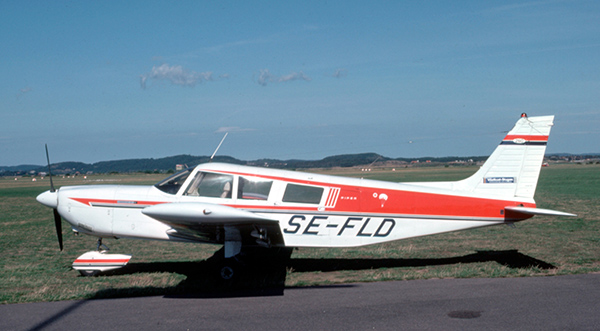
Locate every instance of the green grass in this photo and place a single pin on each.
(33, 269)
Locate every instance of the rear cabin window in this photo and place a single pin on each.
(254, 188)
(206, 184)
(302, 194)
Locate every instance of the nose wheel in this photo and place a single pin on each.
(96, 262)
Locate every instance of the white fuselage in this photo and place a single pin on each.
(341, 212)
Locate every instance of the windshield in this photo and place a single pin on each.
(172, 184)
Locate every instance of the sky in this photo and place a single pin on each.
(110, 80)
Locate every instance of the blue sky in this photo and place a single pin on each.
(106, 80)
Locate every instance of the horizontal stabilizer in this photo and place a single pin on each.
(538, 211)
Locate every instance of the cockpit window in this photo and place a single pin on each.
(302, 194)
(254, 188)
(173, 183)
(206, 184)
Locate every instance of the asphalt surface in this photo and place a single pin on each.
(537, 303)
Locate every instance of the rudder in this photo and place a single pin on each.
(514, 167)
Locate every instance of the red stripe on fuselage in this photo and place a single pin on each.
(369, 199)
(409, 203)
(120, 202)
(373, 200)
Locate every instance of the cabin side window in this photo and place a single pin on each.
(302, 194)
(250, 188)
(206, 184)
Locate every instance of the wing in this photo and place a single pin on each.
(213, 223)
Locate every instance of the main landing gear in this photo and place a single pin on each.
(251, 262)
(229, 268)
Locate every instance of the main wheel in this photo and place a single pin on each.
(230, 269)
(227, 272)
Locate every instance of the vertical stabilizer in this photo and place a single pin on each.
(514, 167)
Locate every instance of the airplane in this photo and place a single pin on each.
(253, 209)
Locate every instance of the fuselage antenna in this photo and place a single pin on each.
(215, 152)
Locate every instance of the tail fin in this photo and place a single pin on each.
(514, 167)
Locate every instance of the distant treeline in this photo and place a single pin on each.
(168, 164)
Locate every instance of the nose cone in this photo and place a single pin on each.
(48, 199)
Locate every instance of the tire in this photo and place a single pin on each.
(227, 272)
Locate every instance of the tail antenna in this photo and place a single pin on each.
(49, 171)
(215, 152)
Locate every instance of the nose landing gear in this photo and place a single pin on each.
(94, 262)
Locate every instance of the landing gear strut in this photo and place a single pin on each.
(99, 245)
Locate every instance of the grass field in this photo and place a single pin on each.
(33, 268)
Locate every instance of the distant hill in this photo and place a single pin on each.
(23, 167)
(168, 164)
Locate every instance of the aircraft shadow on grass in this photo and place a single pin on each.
(266, 278)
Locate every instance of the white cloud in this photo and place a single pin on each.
(177, 75)
(266, 77)
(294, 76)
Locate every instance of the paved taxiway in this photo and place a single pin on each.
(538, 303)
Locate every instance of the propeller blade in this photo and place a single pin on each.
(58, 224)
(49, 171)
(44, 198)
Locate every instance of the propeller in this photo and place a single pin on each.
(58, 224)
(57, 219)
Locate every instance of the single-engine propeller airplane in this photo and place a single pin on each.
(244, 207)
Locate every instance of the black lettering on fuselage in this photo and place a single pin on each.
(313, 224)
(361, 233)
(292, 223)
(392, 223)
(313, 227)
(347, 224)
